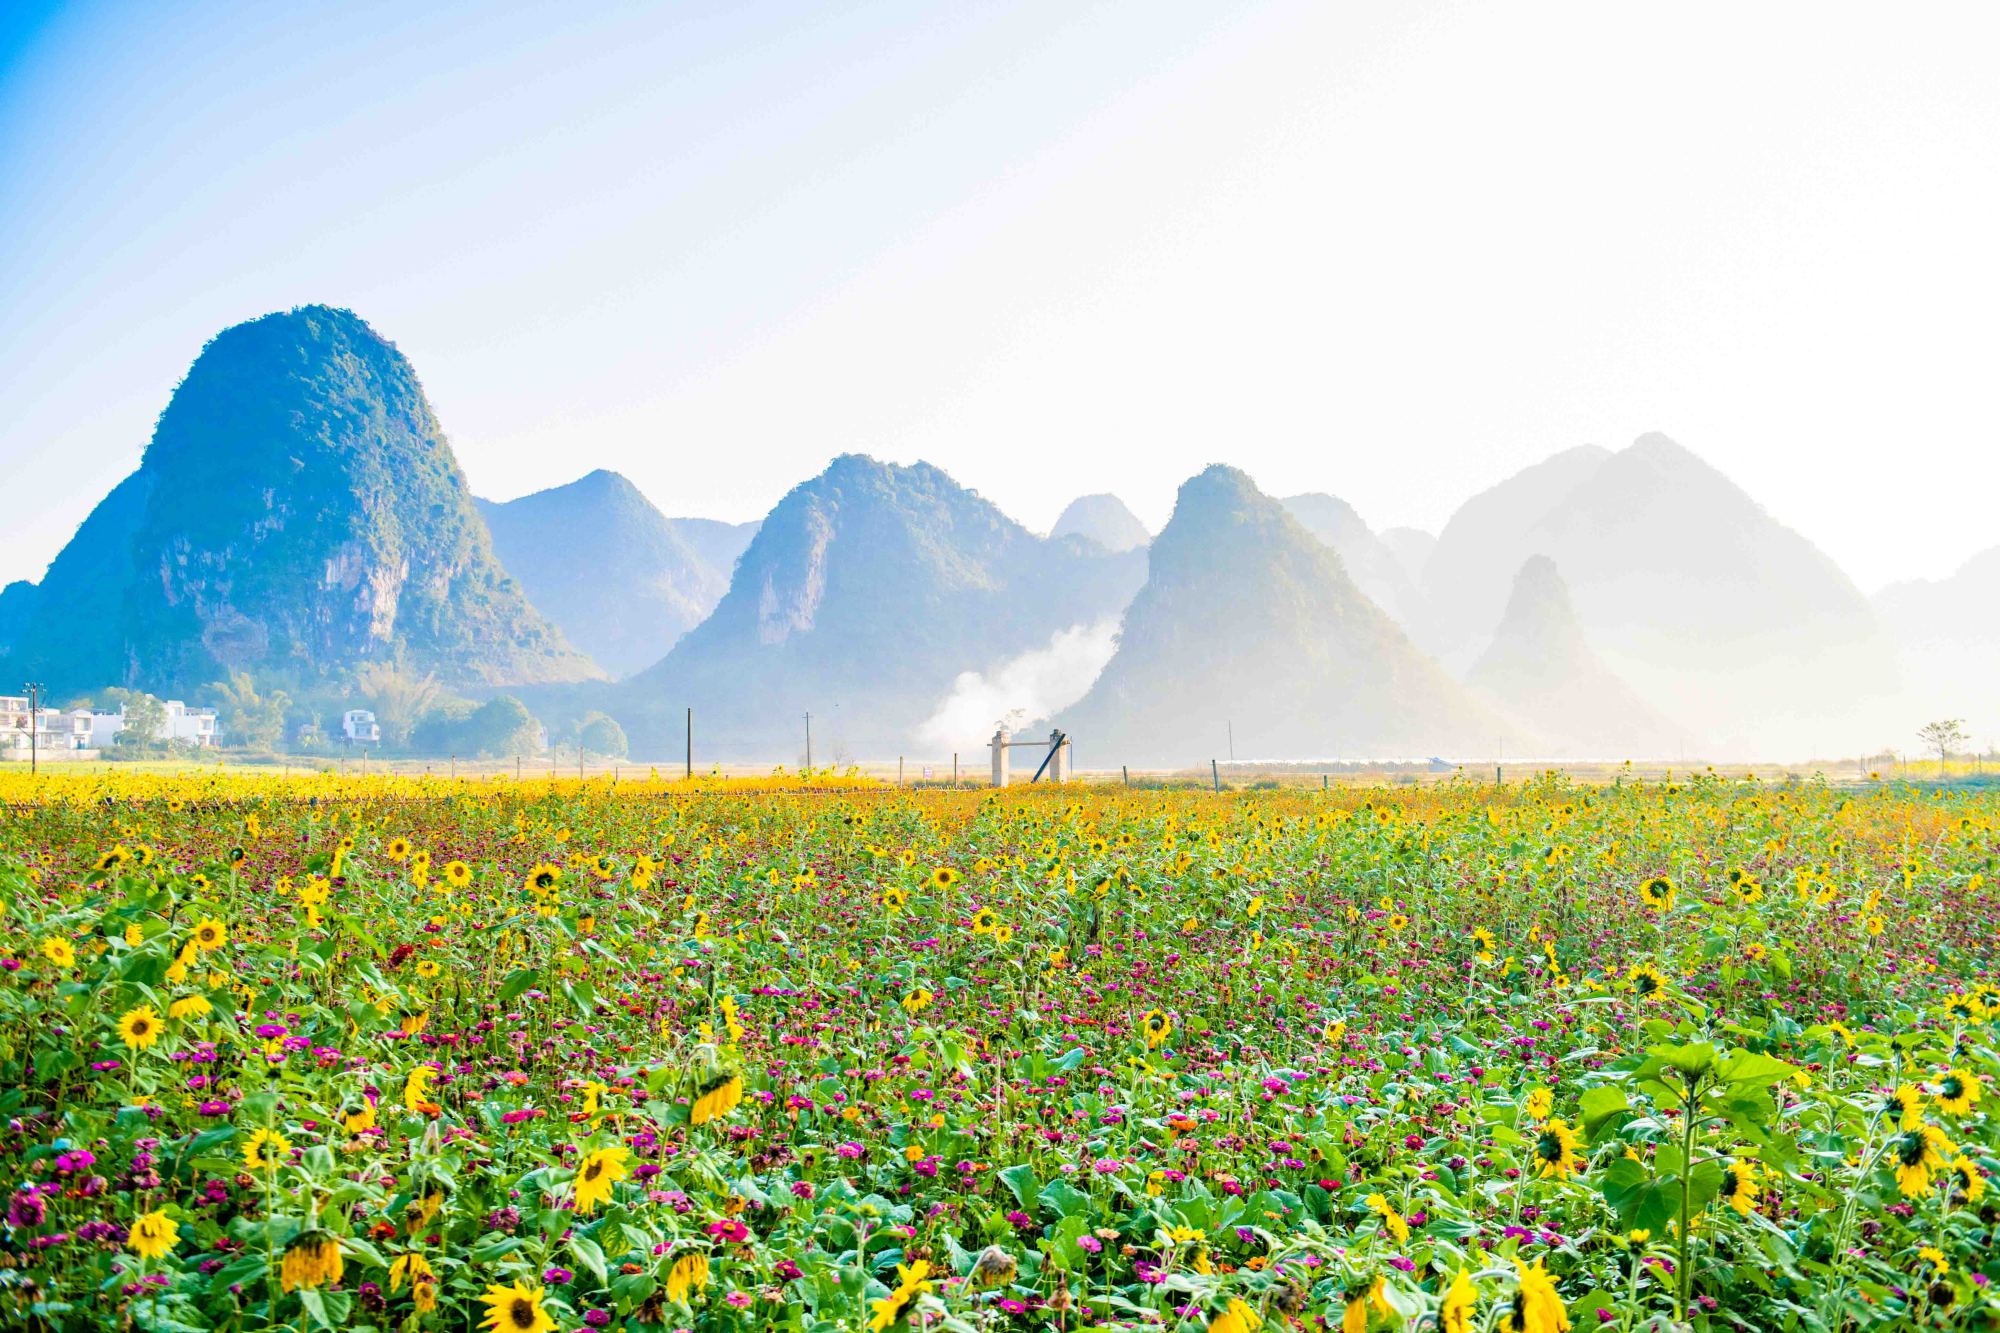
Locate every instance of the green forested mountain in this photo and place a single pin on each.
(863, 596)
(1248, 623)
(619, 578)
(297, 514)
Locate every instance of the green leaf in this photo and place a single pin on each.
(1598, 1105)
(1020, 1178)
(590, 1256)
(517, 981)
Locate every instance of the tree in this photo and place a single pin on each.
(398, 697)
(250, 720)
(1944, 737)
(600, 734)
(500, 727)
(145, 718)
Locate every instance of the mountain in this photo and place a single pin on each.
(865, 597)
(1103, 519)
(1540, 671)
(1412, 548)
(619, 578)
(298, 513)
(1247, 619)
(1949, 642)
(1468, 574)
(1374, 567)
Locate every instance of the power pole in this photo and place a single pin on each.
(690, 743)
(34, 725)
(1232, 740)
(809, 742)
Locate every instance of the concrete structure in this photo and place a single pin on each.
(1058, 769)
(189, 726)
(358, 727)
(48, 733)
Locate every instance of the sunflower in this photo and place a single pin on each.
(398, 849)
(1645, 980)
(266, 1148)
(153, 1235)
(58, 951)
(358, 1117)
(1917, 1154)
(1555, 1151)
(139, 1028)
(412, 1268)
(1539, 1103)
(457, 874)
(689, 1273)
(515, 1309)
(917, 1001)
(596, 1175)
(1461, 1302)
(994, 1267)
(311, 1260)
(1236, 1317)
(1971, 1181)
(1906, 1103)
(943, 877)
(1739, 1186)
(1158, 1026)
(543, 879)
(985, 921)
(1958, 1092)
(190, 1006)
(895, 899)
(1483, 944)
(911, 1282)
(1657, 893)
(1935, 1258)
(417, 1088)
(1536, 1308)
(717, 1099)
(1392, 1221)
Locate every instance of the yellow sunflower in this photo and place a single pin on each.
(153, 1235)
(139, 1028)
(596, 1174)
(1556, 1151)
(515, 1308)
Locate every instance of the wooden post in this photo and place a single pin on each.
(1127, 771)
(899, 770)
(1215, 775)
(1322, 782)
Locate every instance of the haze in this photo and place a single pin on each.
(1388, 251)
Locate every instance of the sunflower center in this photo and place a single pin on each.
(522, 1312)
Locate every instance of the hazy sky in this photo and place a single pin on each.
(1386, 250)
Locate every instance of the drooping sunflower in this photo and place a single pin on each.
(311, 1260)
(139, 1027)
(1739, 1186)
(995, 1267)
(716, 1099)
(1460, 1304)
(1392, 1221)
(417, 1087)
(190, 1006)
(1916, 1155)
(1556, 1151)
(1540, 1102)
(1236, 1317)
(1158, 1025)
(917, 1001)
(597, 1174)
(358, 1117)
(1483, 944)
(515, 1308)
(266, 1148)
(1536, 1308)
(1657, 893)
(1969, 1178)
(412, 1268)
(153, 1235)
(1958, 1092)
(689, 1274)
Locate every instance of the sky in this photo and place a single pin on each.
(1393, 251)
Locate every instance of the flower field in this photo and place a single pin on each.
(404, 1053)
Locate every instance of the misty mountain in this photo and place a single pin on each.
(297, 513)
(1246, 618)
(1540, 671)
(865, 595)
(620, 579)
(1948, 637)
(1412, 548)
(1689, 590)
(1374, 567)
(1103, 519)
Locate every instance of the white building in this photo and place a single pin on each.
(47, 731)
(190, 726)
(358, 725)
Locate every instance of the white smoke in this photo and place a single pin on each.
(1033, 685)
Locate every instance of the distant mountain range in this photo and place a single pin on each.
(1250, 625)
(619, 578)
(299, 515)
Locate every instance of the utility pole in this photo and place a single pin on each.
(1215, 775)
(690, 742)
(809, 742)
(34, 691)
(1232, 740)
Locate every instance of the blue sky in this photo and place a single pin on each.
(1391, 251)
